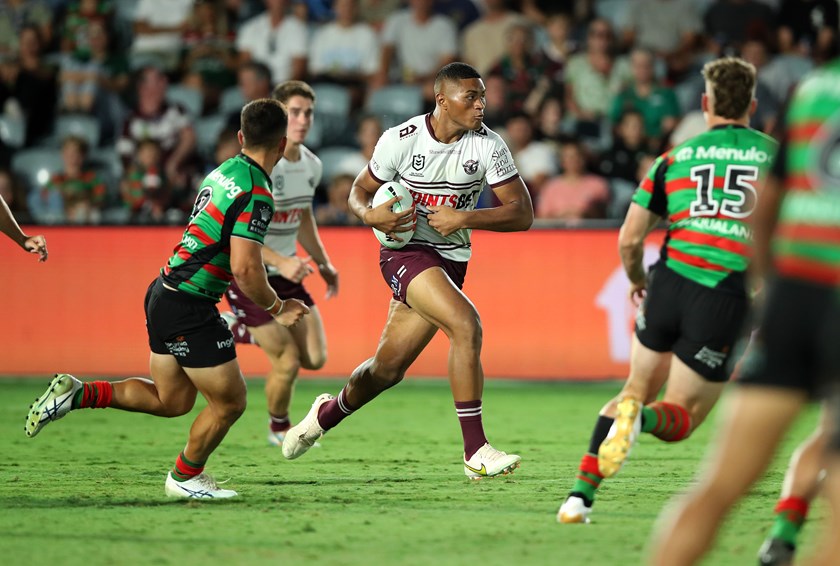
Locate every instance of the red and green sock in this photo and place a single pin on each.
(588, 479)
(666, 421)
(94, 395)
(790, 516)
(186, 469)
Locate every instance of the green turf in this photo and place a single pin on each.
(387, 486)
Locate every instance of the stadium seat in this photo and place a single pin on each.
(614, 11)
(80, 125)
(207, 132)
(621, 194)
(35, 166)
(108, 164)
(396, 103)
(315, 137)
(231, 101)
(12, 130)
(189, 98)
(334, 160)
(332, 109)
(124, 21)
(332, 100)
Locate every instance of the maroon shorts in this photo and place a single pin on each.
(400, 267)
(254, 315)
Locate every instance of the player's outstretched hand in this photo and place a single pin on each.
(295, 268)
(37, 245)
(638, 291)
(445, 219)
(391, 223)
(330, 275)
(293, 310)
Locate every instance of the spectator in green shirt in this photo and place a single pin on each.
(657, 103)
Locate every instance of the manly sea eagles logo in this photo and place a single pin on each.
(470, 167)
(418, 162)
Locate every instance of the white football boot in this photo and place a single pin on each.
(488, 462)
(53, 404)
(307, 432)
(276, 438)
(202, 486)
(623, 433)
(573, 510)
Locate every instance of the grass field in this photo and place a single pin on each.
(387, 486)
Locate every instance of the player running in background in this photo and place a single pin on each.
(695, 298)
(444, 159)
(10, 227)
(192, 347)
(293, 179)
(797, 344)
(801, 485)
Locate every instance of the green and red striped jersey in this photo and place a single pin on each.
(807, 239)
(707, 188)
(234, 201)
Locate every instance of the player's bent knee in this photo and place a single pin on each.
(314, 361)
(231, 411)
(467, 330)
(176, 406)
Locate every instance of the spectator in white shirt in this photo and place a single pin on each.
(158, 30)
(345, 51)
(535, 160)
(417, 43)
(276, 39)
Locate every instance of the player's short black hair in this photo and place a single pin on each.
(456, 71)
(263, 123)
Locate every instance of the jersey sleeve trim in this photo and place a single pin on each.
(659, 199)
(503, 182)
(246, 238)
(372, 174)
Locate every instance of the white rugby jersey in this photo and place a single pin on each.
(437, 173)
(293, 188)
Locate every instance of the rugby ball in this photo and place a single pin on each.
(385, 193)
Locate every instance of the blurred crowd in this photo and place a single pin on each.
(114, 110)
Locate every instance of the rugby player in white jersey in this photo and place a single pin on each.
(444, 159)
(294, 180)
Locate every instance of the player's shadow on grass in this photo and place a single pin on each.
(366, 480)
(27, 502)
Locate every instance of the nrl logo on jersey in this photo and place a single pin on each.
(470, 167)
(407, 131)
(277, 183)
(418, 162)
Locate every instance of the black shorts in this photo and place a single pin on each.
(798, 341)
(698, 324)
(187, 327)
